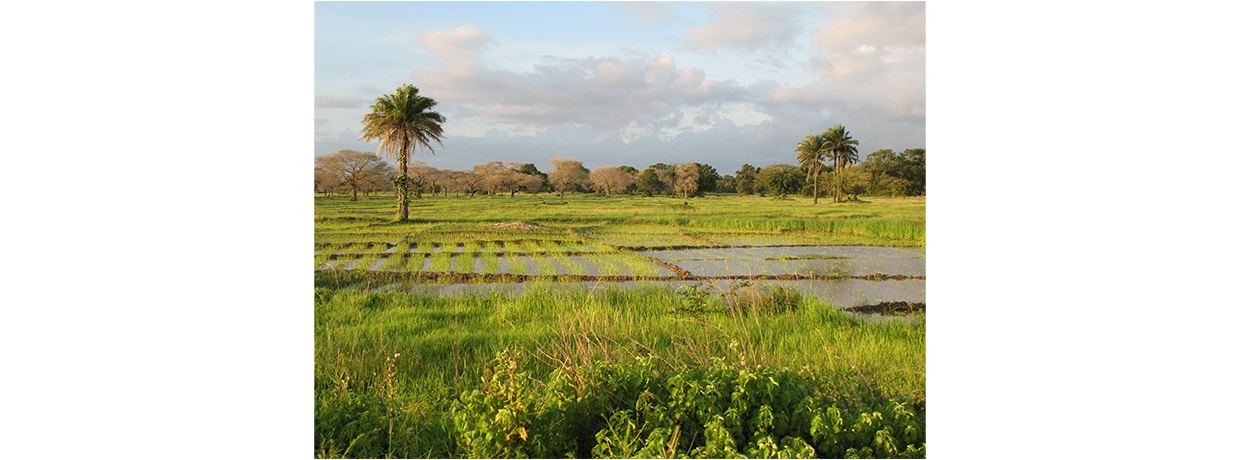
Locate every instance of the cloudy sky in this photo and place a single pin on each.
(626, 83)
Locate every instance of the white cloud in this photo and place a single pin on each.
(634, 96)
(643, 108)
(463, 43)
(746, 28)
(875, 24)
(868, 35)
(871, 63)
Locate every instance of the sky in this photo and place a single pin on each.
(626, 83)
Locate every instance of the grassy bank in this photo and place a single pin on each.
(551, 371)
(443, 345)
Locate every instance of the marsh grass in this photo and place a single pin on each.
(389, 364)
(444, 343)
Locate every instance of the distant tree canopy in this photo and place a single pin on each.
(687, 177)
(781, 178)
(325, 181)
(727, 184)
(884, 172)
(568, 172)
(708, 179)
(902, 174)
(611, 179)
(532, 170)
(747, 180)
(648, 182)
(354, 169)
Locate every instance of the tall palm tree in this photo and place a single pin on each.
(402, 122)
(810, 153)
(843, 151)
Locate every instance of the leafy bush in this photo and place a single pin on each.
(639, 410)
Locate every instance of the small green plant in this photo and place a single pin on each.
(508, 417)
(694, 298)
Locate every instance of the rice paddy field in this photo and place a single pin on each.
(415, 320)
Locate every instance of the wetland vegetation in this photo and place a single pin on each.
(640, 327)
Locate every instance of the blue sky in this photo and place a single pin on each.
(626, 83)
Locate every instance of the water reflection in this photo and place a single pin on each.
(800, 260)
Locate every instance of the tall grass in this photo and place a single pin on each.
(444, 342)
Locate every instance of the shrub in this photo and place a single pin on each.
(639, 410)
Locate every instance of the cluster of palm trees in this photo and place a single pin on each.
(835, 144)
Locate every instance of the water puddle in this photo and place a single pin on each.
(848, 271)
(798, 260)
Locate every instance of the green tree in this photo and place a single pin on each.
(648, 181)
(668, 173)
(747, 180)
(708, 178)
(403, 122)
(727, 184)
(781, 178)
(810, 154)
(893, 174)
(843, 150)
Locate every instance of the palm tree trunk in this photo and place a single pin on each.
(402, 191)
(816, 185)
(835, 174)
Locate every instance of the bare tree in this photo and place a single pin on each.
(325, 181)
(469, 181)
(567, 172)
(611, 178)
(353, 168)
(528, 182)
(420, 176)
(494, 176)
(446, 179)
(379, 180)
(687, 176)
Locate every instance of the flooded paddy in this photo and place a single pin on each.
(461, 258)
(798, 260)
(844, 276)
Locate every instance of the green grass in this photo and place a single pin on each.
(369, 402)
(444, 343)
(626, 220)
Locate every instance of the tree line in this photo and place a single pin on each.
(404, 121)
(884, 172)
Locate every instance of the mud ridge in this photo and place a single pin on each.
(511, 278)
(891, 308)
(472, 254)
